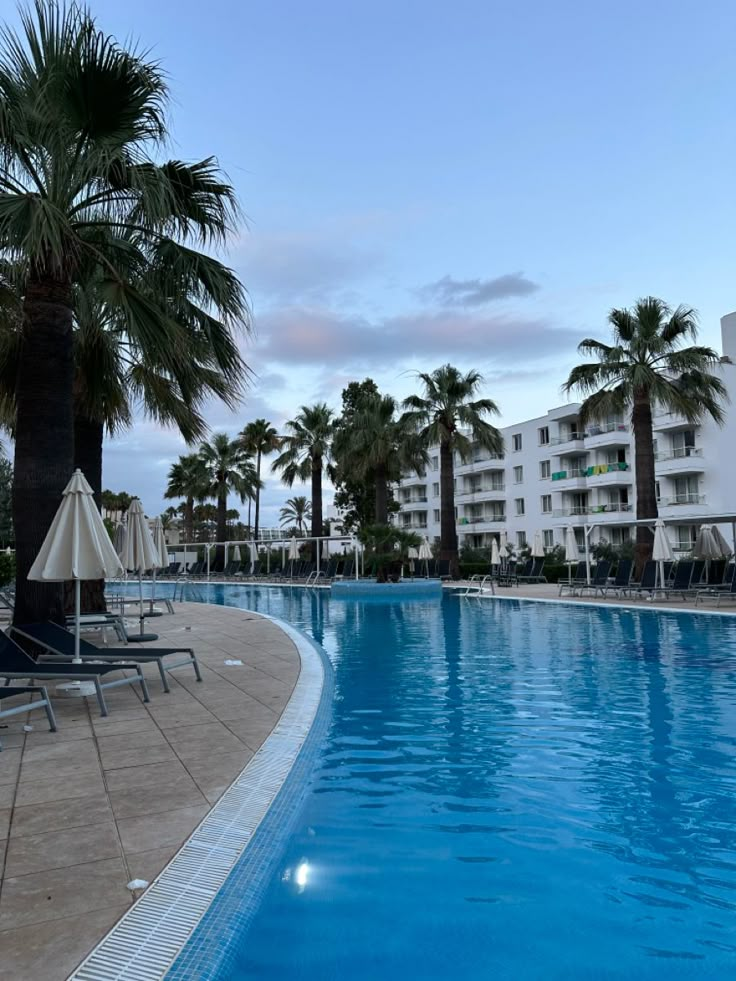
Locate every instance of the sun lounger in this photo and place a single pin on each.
(578, 578)
(724, 591)
(533, 573)
(597, 580)
(16, 664)
(647, 584)
(44, 702)
(621, 581)
(60, 643)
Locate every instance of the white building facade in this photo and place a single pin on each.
(555, 473)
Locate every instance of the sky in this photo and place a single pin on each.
(424, 182)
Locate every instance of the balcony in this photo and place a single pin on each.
(679, 499)
(409, 501)
(567, 438)
(684, 459)
(475, 492)
(672, 421)
(609, 434)
(568, 474)
(592, 509)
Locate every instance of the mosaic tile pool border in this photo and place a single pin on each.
(173, 931)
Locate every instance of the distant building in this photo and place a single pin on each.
(556, 473)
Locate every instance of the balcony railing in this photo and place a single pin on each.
(567, 474)
(495, 489)
(680, 453)
(667, 502)
(568, 438)
(591, 509)
(609, 427)
(479, 519)
(413, 500)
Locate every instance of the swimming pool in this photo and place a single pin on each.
(508, 790)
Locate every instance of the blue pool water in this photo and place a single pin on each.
(508, 790)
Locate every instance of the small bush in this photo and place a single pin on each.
(7, 568)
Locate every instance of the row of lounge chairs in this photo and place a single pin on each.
(105, 667)
(684, 579)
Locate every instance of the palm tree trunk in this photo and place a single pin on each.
(448, 531)
(221, 526)
(88, 436)
(44, 437)
(189, 520)
(316, 496)
(381, 483)
(646, 486)
(258, 492)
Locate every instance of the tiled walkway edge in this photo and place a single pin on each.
(148, 939)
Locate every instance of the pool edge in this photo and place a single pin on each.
(151, 937)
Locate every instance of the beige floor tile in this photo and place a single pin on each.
(59, 788)
(137, 756)
(215, 776)
(82, 750)
(253, 732)
(59, 849)
(147, 865)
(60, 948)
(138, 801)
(63, 892)
(120, 727)
(147, 775)
(209, 741)
(70, 769)
(7, 794)
(4, 822)
(141, 834)
(34, 819)
(9, 765)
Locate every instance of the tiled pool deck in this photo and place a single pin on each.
(103, 801)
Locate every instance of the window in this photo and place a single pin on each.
(686, 535)
(521, 539)
(546, 503)
(435, 462)
(436, 514)
(519, 504)
(516, 442)
(518, 475)
(545, 469)
(683, 443)
(435, 490)
(686, 490)
(543, 432)
(658, 491)
(548, 537)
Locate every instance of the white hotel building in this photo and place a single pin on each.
(556, 473)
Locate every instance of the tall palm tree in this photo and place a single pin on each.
(187, 479)
(306, 450)
(646, 366)
(259, 438)
(377, 444)
(448, 414)
(81, 121)
(296, 511)
(227, 470)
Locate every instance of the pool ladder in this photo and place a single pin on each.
(477, 584)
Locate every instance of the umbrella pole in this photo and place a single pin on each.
(77, 619)
(153, 590)
(142, 635)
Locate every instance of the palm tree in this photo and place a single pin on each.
(227, 469)
(448, 414)
(187, 479)
(259, 438)
(375, 444)
(296, 511)
(81, 120)
(306, 449)
(645, 367)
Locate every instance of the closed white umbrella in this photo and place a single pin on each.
(710, 544)
(118, 541)
(538, 545)
(237, 557)
(253, 556)
(425, 553)
(495, 554)
(572, 553)
(77, 546)
(159, 540)
(140, 554)
(293, 549)
(662, 550)
(412, 554)
(326, 550)
(723, 545)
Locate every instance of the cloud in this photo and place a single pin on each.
(298, 265)
(449, 292)
(318, 336)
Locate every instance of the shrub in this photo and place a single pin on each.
(7, 568)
